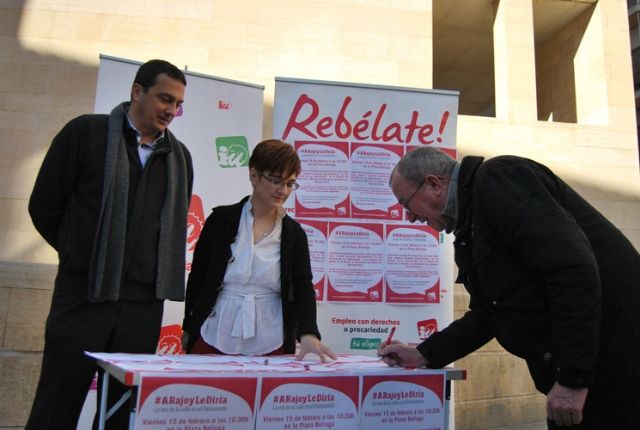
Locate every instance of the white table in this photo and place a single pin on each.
(273, 392)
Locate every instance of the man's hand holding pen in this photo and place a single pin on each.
(396, 353)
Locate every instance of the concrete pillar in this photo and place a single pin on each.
(514, 61)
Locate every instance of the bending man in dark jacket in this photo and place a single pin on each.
(549, 277)
(111, 197)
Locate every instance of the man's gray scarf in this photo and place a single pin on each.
(107, 260)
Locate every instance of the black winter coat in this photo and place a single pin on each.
(67, 196)
(209, 266)
(549, 277)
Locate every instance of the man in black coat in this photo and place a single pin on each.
(548, 276)
(111, 198)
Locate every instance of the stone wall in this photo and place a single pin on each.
(25, 296)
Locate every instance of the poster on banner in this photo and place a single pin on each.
(325, 180)
(316, 232)
(195, 402)
(354, 266)
(372, 269)
(220, 122)
(401, 402)
(412, 261)
(308, 403)
(369, 186)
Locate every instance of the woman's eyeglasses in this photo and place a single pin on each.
(278, 182)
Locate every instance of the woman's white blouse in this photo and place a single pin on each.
(247, 317)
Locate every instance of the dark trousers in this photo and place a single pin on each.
(74, 325)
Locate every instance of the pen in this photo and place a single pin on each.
(391, 332)
(391, 355)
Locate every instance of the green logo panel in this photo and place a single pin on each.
(232, 151)
(365, 343)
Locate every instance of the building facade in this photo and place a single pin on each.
(547, 79)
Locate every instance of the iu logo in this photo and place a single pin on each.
(233, 151)
(195, 222)
(224, 104)
(427, 327)
(170, 340)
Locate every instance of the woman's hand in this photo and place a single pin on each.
(310, 343)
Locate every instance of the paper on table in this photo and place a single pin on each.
(234, 363)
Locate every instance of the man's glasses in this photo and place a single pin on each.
(405, 204)
(278, 182)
